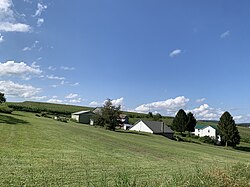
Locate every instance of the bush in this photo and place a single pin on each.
(62, 119)
(5, 109)
(37, 115)
(45, 114)
(207, 139)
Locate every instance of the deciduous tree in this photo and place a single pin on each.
(110, 114)
(2, 98)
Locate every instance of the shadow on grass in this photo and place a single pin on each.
(242, 148)
(12, 120)
(132, 132)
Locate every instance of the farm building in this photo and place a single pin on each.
(83, 116)
(203, 130)
(154, 127)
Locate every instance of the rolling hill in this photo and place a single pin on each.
(37, 151)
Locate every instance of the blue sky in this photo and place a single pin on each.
(146, 55)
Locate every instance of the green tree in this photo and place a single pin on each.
(191, 122)
(180, 121)
(2, 98)
(150, 115)
(110, 115)
(157, 117)
(228, 130)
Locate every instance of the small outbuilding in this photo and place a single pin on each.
(83, 116)
(154, 127)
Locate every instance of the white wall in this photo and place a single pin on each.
(208, 131)
(75, 117)
(140, 126)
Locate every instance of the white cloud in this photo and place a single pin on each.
(167, 107)
(40, 9)
(78, 100)
(205, 112)
(175, 52)
(67, 68)
(200, 100)
(14, 27)
(51, 68)
(54, 86)
(39, 22)
(26, 49)
(20, 90)
(55, 101)
(8, 18)
(225, 34)
(10, 68)
(75, 84)
(117, 102)
(71, 96)
(52, 77)
(1, 38)
(94, 104)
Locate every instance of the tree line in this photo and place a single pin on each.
(228, 130)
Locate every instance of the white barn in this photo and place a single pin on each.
(203, 130)
(154, 127)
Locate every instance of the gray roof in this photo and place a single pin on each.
(82, 112)
(157, 126)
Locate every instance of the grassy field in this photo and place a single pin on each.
(36, 151)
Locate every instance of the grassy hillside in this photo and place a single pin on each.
(31, 106)
(37, 151)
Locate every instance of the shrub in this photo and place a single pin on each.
(207, 139)
(5, 109)
(45, 114)
(62, 119)
(37, 115)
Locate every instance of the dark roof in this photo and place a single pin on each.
(157, 126)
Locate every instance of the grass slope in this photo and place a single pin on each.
(43, 152)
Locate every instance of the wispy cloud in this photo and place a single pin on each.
(32, 47)
(53, 77)
(67, 68)
(71, 96)
(175, 52)
(200, 100)
(1, 38)
(225, 34)
(40, 9)
(39, 22)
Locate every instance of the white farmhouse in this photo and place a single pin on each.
(203, 130)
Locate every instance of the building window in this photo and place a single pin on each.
(208, 131)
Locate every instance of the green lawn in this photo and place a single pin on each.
(36, 151)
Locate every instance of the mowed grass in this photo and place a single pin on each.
(36, 151)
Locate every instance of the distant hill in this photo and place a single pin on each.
(244, 124)
(30, 106)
